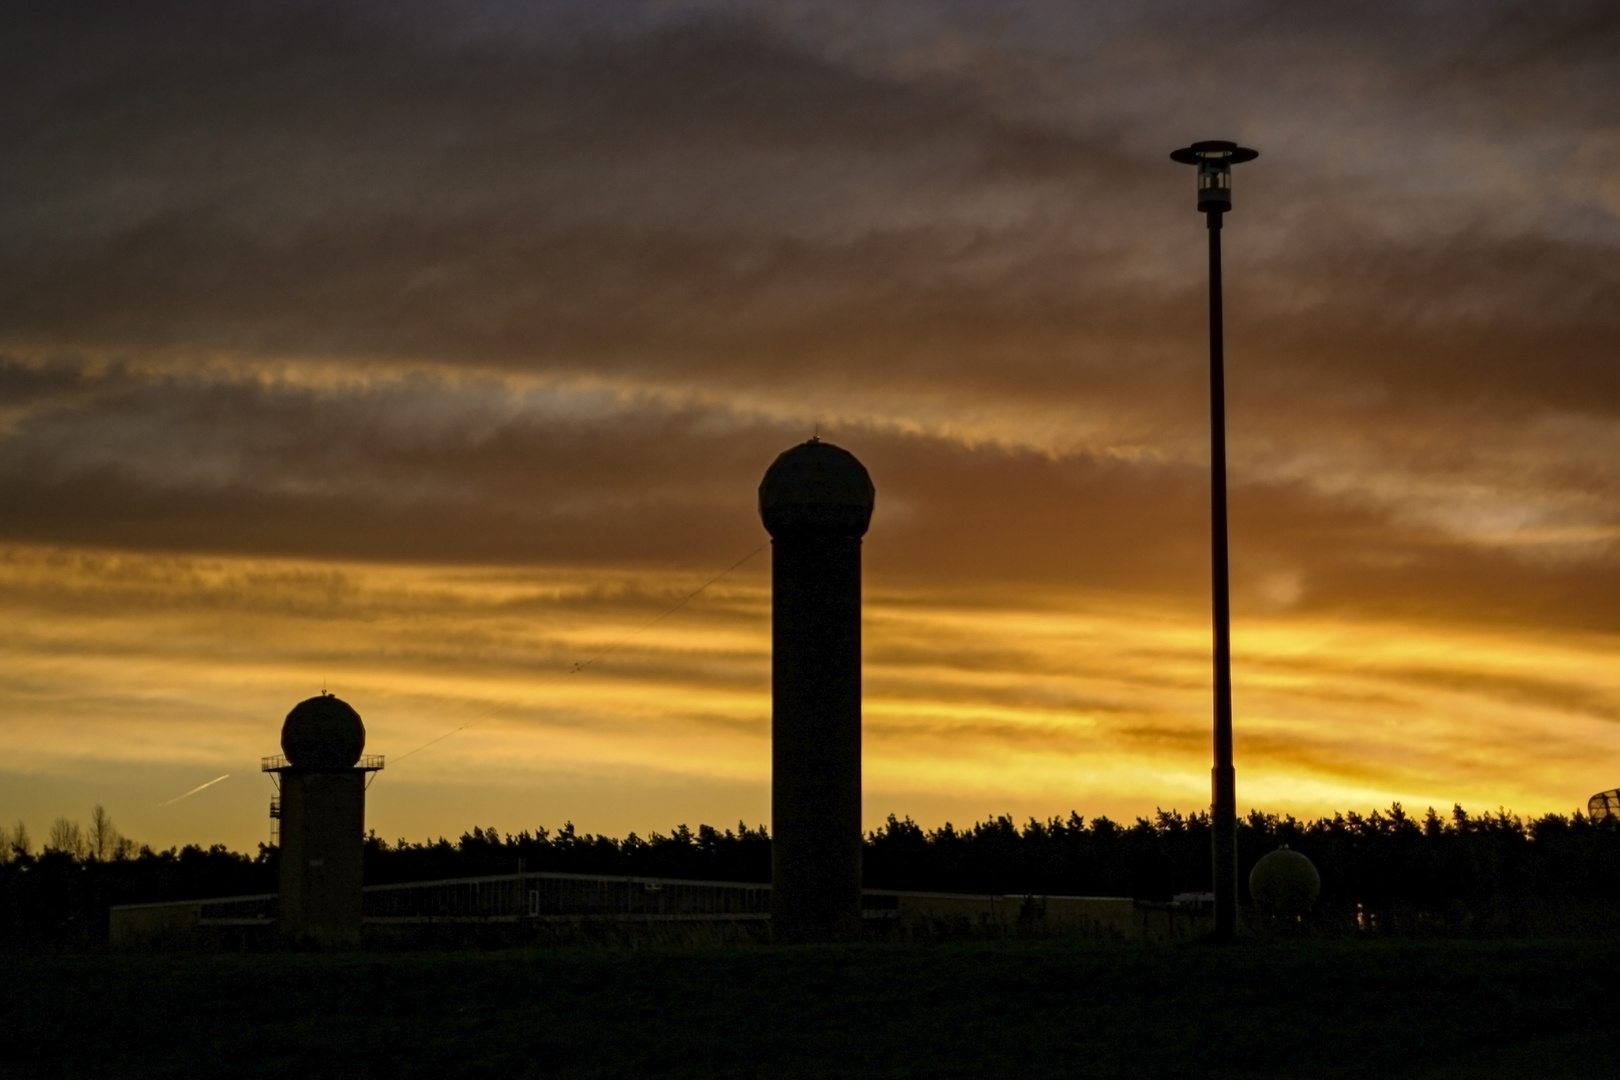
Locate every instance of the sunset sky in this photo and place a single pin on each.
(428, 351)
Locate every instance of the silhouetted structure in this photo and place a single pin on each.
(816, 501)
(322, 807)
(1604, 806)
(1285, 883)
(1386, 872)
(1215, 159)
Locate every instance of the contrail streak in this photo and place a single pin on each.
(196, 789)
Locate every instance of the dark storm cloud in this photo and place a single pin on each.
(691, 199)
(734, 196)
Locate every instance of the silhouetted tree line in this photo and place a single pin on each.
(59, 895)
(708, 854)
(1385, 872)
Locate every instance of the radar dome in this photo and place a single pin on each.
(323, 733)
(1284, 882)
(816, 487)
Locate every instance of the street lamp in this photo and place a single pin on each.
(1214, 160)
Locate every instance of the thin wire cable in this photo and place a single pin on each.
(583, 664)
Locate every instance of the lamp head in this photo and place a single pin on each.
(1214, 158)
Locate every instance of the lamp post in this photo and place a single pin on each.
(1214, 160)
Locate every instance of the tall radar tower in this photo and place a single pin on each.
(816, 502)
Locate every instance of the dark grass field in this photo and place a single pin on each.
(1387, 1009)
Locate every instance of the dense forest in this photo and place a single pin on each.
(1385, 872)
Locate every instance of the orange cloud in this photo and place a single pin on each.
(1044, 702)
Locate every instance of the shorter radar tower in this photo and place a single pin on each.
(322, 777)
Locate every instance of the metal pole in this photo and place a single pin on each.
(1223, 777)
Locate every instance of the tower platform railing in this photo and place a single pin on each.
(279, 763)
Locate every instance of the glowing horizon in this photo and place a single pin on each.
(1092, 703)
